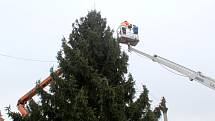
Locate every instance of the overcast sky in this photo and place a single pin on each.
(179, 30)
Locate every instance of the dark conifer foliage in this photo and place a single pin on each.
(93, 85)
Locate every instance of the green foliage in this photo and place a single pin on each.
(93, 85)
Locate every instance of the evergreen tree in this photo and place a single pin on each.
(93, 85)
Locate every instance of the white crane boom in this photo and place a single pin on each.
(193, 75)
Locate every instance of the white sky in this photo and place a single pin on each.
(179, 30)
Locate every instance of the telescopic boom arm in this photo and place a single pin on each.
(23, 100)
(193, 75)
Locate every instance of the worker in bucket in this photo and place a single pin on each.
(135, 29)
(124, 25)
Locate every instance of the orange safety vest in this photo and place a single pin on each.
(125, 23)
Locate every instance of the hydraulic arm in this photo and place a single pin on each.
(193, 75)
(23, 100)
